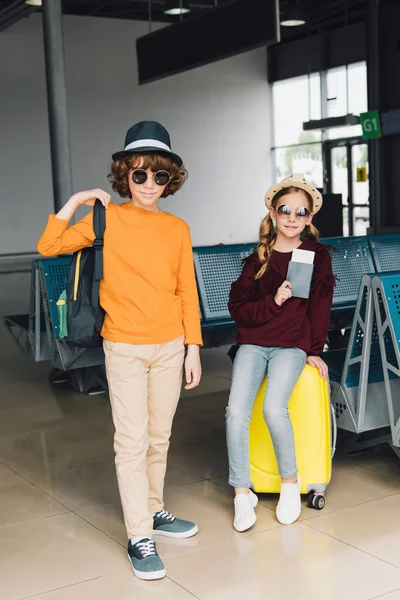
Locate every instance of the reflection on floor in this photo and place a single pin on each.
(61, 530)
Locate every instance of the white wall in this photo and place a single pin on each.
(218, 117)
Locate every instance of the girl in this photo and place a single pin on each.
(279, 334)
(150, 299)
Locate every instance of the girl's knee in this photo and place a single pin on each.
(236, 418)
(274, 414)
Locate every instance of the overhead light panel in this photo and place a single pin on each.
(293, 16)
(229, 29)
(330, 122)
(34, 2)
(176, 7)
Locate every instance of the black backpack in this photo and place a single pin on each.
(85, 316)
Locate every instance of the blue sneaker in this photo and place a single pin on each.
(146, 563)
(168, 525)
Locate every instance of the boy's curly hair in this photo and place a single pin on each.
(118, 176)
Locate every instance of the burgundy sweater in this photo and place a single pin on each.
(298, 323)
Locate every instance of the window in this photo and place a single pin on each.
(346, 94)
(298, 100)
(295, 101)
(336, 85)
(333, 93)
(357, 84)
(303, 158)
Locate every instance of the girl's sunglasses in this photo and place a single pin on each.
(302, 214)
(139, 176)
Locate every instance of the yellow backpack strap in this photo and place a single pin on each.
(77, 273)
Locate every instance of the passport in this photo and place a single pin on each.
(300, 272)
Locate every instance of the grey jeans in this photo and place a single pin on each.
(284, 367)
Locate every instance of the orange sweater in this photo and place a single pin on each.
(149, 290)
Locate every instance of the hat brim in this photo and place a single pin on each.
(176, 159)
(314, 193)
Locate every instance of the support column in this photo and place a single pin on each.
(384, 95)
(57, 102)
(376, 194)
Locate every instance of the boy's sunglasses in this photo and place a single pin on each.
(139, 176)
(301, 214)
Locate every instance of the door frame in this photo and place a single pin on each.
(327, 147)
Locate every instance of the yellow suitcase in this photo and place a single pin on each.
(310, 413)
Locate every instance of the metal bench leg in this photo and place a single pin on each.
(354, 444)
(89, 380)
(57, 376)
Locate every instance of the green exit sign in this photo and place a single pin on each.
(371, 126)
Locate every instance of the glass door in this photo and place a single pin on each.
(360, 175)
(346, 168)
(339, 182)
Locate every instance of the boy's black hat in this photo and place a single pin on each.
(148, 136)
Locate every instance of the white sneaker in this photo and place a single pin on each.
(245, 517)
(289, 505)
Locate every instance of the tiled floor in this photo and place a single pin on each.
(61, 529)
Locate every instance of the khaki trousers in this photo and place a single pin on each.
(145, 383)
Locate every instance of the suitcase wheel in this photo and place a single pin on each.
(316, 501)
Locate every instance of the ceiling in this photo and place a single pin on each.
(13, 10)
(131, 9)
(320, 14)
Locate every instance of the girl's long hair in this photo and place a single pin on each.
(268, 233)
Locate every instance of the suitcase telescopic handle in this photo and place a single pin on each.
(334, 431)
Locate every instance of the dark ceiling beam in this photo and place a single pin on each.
(6, 23)
(334, 21)
(98, 8)
(339, 9)
(11, 7)
(13, 13)
(127, 6)
(319, 11)
(195, 4)
(325, 17)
